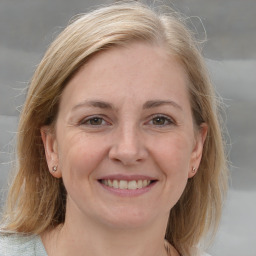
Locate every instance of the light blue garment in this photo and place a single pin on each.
(21, 245)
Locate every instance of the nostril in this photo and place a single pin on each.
(126, 161)
(128, 151)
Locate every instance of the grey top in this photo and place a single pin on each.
(21, 245)
(25, 245)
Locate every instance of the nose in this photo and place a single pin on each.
(128, 146)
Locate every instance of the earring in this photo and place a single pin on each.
(193, 170)
(54, 168)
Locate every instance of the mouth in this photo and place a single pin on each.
(127, 185)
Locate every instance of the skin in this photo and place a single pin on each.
(143, 126)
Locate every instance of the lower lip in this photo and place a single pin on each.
(128, 192)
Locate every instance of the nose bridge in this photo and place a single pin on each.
(128, 137)
(128, 146)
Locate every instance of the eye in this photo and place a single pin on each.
(160, 120)
(93, 121)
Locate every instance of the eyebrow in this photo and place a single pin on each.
(106, 105)
(157, 103)
(95, 104)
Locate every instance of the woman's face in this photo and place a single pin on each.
(124, 142)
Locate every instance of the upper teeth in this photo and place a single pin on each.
(124, 184)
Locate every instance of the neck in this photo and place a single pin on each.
(86, 237)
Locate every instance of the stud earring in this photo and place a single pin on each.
(54, 168)
(193, 170)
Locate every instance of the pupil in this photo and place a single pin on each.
(159, 120)
(96, 121)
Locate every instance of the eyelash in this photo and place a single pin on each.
(167, 121)
(91, 118)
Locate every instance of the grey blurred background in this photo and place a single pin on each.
(28, 26)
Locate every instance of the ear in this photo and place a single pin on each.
(51, 149)
(196, 155)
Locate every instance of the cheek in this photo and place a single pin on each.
(173, 158)
(79, 156)
(174, 153)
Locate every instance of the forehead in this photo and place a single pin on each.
(138, 71)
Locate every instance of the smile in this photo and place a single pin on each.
(124, 184)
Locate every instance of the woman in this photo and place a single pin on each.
(119, 147)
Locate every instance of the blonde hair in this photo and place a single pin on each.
(37, 200)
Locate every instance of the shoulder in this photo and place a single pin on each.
(13, 244)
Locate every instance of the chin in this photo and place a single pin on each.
(128, 218)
